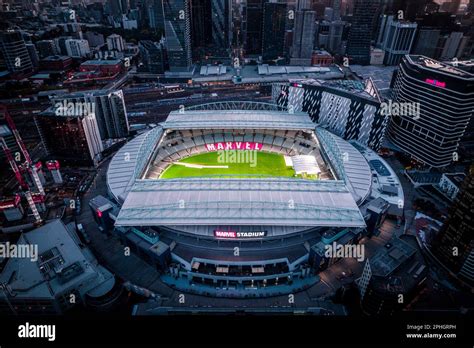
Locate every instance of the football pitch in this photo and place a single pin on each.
(233, 163)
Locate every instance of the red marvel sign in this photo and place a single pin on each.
(234, 145)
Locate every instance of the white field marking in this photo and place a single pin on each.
(198, 166)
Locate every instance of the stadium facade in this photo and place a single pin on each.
(350, 109)
(253, 235)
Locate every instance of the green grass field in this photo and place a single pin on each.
(262, 163)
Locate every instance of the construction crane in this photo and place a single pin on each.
(21, 181)
(28, 162)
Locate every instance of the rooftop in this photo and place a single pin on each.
(432, 64)
(56, 58)
(390, 257)
(102, 62)
(210, 201)
(61, 265)
(236, 119)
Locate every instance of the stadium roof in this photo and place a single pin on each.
(232, 119)
(349, 163)
(211, 201)
(123, 168)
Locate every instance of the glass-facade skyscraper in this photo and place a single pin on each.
(360, 34)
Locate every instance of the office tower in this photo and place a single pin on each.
(397, 268)
(336, 6)
(350, 109)
(397, 39)
(254, 23)
(153, 56)
(201, 28)
(454, 244)
(77, 48)
(115, 43)
(454, 44)
(46, 48)
(108, 109)
(303, 5)
(178, 34)
(118, 7)
(446, 100)
(33, 53)
(359, 39)
(94, 39)
(111, 114)
(328, 14)
(60, 43)
(74, 137)
(303, 38)
(221, 25)
(15, 53)
(156, 16)
(336, 29)
(274, 22)
(426, 42)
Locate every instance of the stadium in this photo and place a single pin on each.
(241, 196)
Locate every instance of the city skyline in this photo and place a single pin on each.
(237, 158)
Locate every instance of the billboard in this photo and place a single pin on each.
(236, 235)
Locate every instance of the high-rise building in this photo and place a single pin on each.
(303, 37)
(350, 109)
(94, 39)
(201, 29)
(274, 22)
(454, 45)
(454, 244)
(73, 136)
(178, 34)
(111, 114)
(360, 34)
(396, 39)
(426, 42)
(336, 29)
(156, 16)
(253, 30)
(328, 14)
(153, 56)
(221, 25)
(446, 99)
(108, 109)
(33, 53)
(46, 48)
(15, 53)
(115, 43)
(336, 6)
(77, 48)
